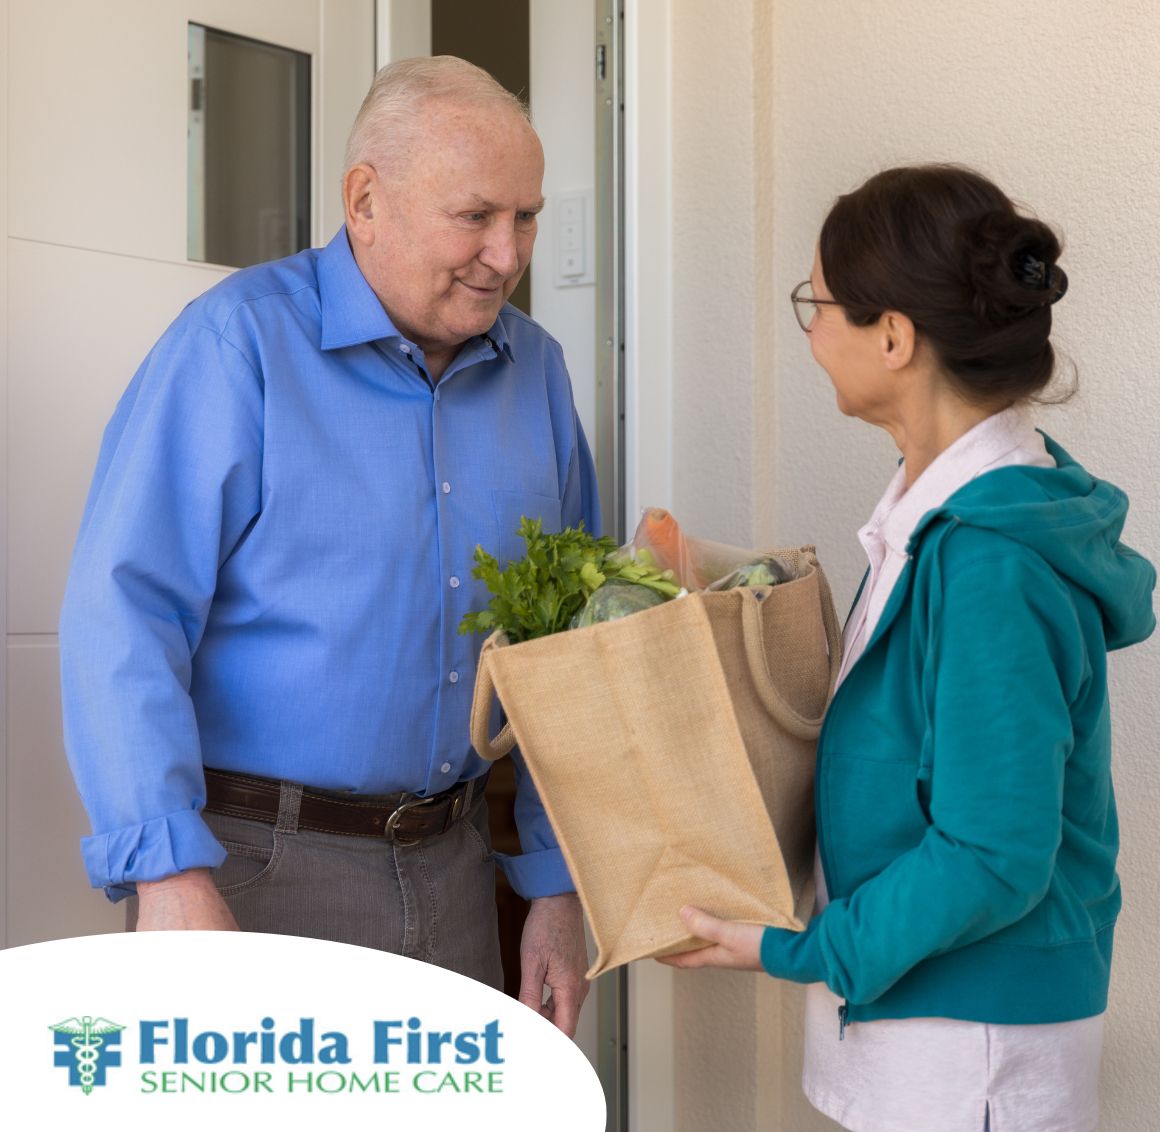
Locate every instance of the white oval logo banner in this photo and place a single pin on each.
(189, 1030)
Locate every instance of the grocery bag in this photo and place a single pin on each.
(674, 753)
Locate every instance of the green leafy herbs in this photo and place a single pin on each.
(544, 590)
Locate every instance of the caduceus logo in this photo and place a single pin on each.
(86, 1049)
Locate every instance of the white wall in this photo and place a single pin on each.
(714, 256)
(720, 155)
(562, 88)
(648, 299)
(1058, 104)
(777, 107)
(403, 28)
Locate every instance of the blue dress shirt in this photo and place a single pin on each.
(276, 554)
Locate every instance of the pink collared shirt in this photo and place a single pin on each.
(1006, 438)
(922, 1074)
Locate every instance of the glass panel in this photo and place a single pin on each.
(249, 149)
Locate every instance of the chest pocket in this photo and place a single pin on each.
(510, 507)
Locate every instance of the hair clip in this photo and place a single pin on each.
(1034, 273)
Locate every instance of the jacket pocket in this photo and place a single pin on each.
(870, 814)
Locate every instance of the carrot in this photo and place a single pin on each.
(661, 533)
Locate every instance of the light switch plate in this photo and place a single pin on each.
(574, 238)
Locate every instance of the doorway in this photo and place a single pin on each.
(549, 53)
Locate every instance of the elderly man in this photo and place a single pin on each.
(265, 693)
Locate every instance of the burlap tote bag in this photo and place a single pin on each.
(674, 753)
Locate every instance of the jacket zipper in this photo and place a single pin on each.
(879, 630)
(844, 1009)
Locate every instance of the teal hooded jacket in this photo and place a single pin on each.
(966, 819)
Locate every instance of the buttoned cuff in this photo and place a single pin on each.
(542, 873)
(159, 848)
(796, 956)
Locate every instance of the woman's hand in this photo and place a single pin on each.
(732, 946)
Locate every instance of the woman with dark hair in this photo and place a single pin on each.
(967, 833)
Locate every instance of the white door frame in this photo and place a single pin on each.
(648, 448)
(4, 80)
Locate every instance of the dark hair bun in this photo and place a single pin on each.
(947, 248)
(1010, 262)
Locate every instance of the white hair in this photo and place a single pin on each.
(386, 128)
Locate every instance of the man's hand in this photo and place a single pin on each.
(185, 902)
(553, 954)
(733, 946)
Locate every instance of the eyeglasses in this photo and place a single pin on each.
(805, 306)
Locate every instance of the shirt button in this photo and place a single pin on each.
(454, 582)
(404, 348)
(453, 677)
(445, 768)
(446, 488)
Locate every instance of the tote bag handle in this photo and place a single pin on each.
(485, 746)
(753, 633)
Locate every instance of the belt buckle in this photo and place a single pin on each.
(393, 821)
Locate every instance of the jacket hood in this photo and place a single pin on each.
(1072, 520)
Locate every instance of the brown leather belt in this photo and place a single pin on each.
(401, 818)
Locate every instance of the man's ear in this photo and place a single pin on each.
(359, 203)
(896, 340)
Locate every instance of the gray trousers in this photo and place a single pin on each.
(433, 901)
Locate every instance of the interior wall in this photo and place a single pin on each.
(713, 264)
(403, 29)
(648, 205)
(1058, 104)
(562, 81)
(784, 104)
(721, 340)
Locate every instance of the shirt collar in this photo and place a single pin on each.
(974, 452)
(351, 311)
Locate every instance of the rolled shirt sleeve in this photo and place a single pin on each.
(185, 441)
